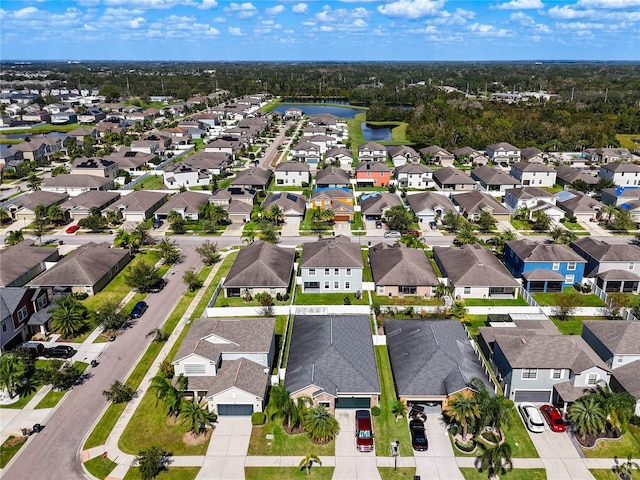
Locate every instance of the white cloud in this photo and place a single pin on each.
(609, 3)
(572, 26)
(300, 8)
(235, 31)
(485, 30)
(275, 10)
(237, 7)
(219, 20)
(136, 22)
(149, 4)
(207, 4)
(411, 8)
(521, 18)
(519, 5)
(568, 12)
(459, 17)
(25, 12)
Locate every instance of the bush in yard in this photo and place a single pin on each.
(375, 411)
(258, 418)
(152, 462)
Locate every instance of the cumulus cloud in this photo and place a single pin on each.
(275, 10)
(242, 10)
(485, 30)
(149, 4)
(411, 8)
(300, 8)
(207, 4)
(459, 17)
(136, 22)
(569, 12)
(25, 12)
(519, 5)
(609, 3)
(235, 31)
(219, 20)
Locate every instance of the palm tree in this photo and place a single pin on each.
(624, 469)
(55, 214)
(307, 462)
(69, 318)
(12, 370)
(442, 290)
(458, 310)
(322, 214)
(276, 214)
(322, 427)
(463, 408)
(279, 399)
(619, 407)
(15, 236)
(453, 220)
(34, 182)
(268, 233)
(4, 215)
(171, 396)
(172, 216)
(588, 415)
(111, 217)
(196, 416)
(122, 239)
(466, 235)
(40, 212)
(140, 236)
(495, 460)
(611, 211)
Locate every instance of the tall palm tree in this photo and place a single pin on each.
(15, 236)
(55, 214)
(197, 416)
(619, 407)
(458, 310)
(442, 290)
(466, 235)
(588, 415)
(122, 238)
(321, 426)
(168, 394)
(111, 217)
(494, 409)
(12, 370)
(463, 408)
(34, 182)
(279, 399)
(276, 214)
(69, 318)
(495, 460)
(611, 211)
(140, 236)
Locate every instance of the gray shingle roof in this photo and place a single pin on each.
(333, 353)
(503, 146)
(292, 167)
(372, 167)
(619, 336)
(580, 203)
(139, 201)
(76, 180)
(529, 192)
(475, 202)
(31, 200)
(333, 252)
(570, 174)
(531, 167)
(91, 199)
(287, 201)
(190, 202)
(400, 265)
(261, 264)
(473, 265)
(331, 176)
(622, 167)
(377, 202)
(493, 176)
(252, 176)
(10, 298)
(18, 259)
(531, 251)
(628, 378)
(412, 169)
(429, 200)
(450, 175)
(431, 357)
(605, 252)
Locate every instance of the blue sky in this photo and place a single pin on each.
(349, 30)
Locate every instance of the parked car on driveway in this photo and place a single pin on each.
(73, 229)
(138, 310)
(418, 435)
(364, 431)
(531, 417)
(553, 417)
(59, 351)
(392, 234)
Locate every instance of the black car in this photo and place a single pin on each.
(418, 435)
(157, 286)
(59, 351)
(138, 310)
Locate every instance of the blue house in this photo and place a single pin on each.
(542, 267)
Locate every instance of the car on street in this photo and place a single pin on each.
(59, 351)
(392, 234)
(553, 417)
(364, 431)
(73, 229)
(531, 417)
(412, 233)
(418, 435)
(157, 286)
(138, 310)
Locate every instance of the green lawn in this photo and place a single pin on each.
(48, 128)
(586, 300)
(609, 475)
(627, 140)
(573, 226)
(25, 397)
(52, 397)
(327, 298)
(629, 443)
(518, 438)
(410, 300)
(223, 301)
(473, 322)
(367, 276)
(515, 474)
(99, 467)
(521, 224)
(356, 223)
(283, 443)
(388, 473)
(174, 473)
(7, 452)
(285, 473)
(385, 426)
(493, 302)
(151, 182)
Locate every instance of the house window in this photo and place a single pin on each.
(194, 369)
(592, 379)
(4, 326)
(314, 285)
(327, 285)
(42, 301)
(348, 272)
(631, 266)
(556, 373)
(467, 290)
(22, 314)
(336, 271)
(381, 289)
(568, 279)
(407, 290)
(529, 373)
(312, 272)
(326, 272)
(347, 285)
(571, 266)
(336, 285)
(325, 404)
(620, 359)
(556, 266)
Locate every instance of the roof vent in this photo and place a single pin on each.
(523, 340)
(481, 264)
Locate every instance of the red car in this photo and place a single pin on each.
(552, 415)
(73, 229)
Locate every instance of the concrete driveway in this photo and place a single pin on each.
(438, 462)
(351, 464)
(227, 449)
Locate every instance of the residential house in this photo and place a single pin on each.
(621, 173)
(613, 267)
(493, 179)
(130, 160)
(238, 202)
(372, 174)
(435, 155)
(79, 134)
(226, 362)
(332, 177)
(543, 267)
(414, 175)
(399, 271)
(39, 116)
(293, 174)
(579, 205)
(293, 205)
(403, 155)
(566, 176)
(619, 196)
(100, 167)
(22, 312)
(503, 152)
(24, 206)
(225, 144)
(372, 152)
(81, 206)
(88, 269)
(473, 271)
(187, 204)
(534, 174)
(260, 267)
(470, 155)
(293, 113)
(255, 178)
(609, 155)
(452, 179)
(331, 265)
(339, 200)
(64, 118)
(429, 206)
(325, 142)
(527, 197)
(341, 155)
(32, 149)
(151, 147)
(138, 206)
(332, 361)
(472, 204)
(373, 205)
(75, 184)
(534, 155)
(183, 174)
(431, 360)
(91, 116)
(21, 263)
(214, 163)
(323, 119)
(306, 152)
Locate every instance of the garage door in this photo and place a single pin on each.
(535, 396)
(234, 410)
(341, 218)
(356, 402)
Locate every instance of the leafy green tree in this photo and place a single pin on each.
(453, 221)
(169, 251)
(268, 233)
(34, 182)
(140, 235)
(190, 278)
(495, 460)
(541, 221)
(581, 186)
(208, 252)
(486, 222)
(566, 303)
(398, 218)
(152, 462)
(141, 276)
(93, 223)
(111, 217)
(55, 214)
(619, 406)
(275, 214)
(14, 237)
(59, 374)
(178, 226)
(122, 239)
(588, 415)
(12, 369)
(466, 235)
(5, 216)
(463, 409)
(119, 393)
(320, 424)
(109, 315)
(498, 242)
(196, 416)
(69, 317)
(172, 397)
(604, 183)
(623, 221)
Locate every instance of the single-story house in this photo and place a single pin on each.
(579, 205)
(435, 155)
(452, 179)
(75, 184)
(138, 206)
(566, 175)
(374, 204)
(472, 204)
(21, 263)
(493, 179)
(80, 206)
(429, 206)
(256, 178)
(24, 206)
(187, 204)
(293, 205)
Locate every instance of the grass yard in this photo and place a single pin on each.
(515, 474)
(474, 322)
(9, 448)
(385, 426)
(99, 467)
(388, 473)
(573, 226)
(521, 224)
(151, 182)
(518, 438)
(223, 301)
(174, 473)
(628, 140)
(494, 302)
(283, 443)
(327, 298)
(52, 397)
(602, 474)
(47, 129)
(410, 300)
(586, 300)
(356, 223)
(628, 443)
(285, 473)
(367, 276)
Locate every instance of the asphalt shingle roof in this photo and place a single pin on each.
(473, 265)
(332, 252)
(18, 259)
(619, 336)
(606, 252)
(531, 251)
(400, 265)
(261, 264)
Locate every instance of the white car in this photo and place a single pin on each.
(392, 234)
(531, 417)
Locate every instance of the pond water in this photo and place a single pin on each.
(315, 109)
(373, 133)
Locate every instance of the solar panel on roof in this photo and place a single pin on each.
(292, 197)
(276, 196)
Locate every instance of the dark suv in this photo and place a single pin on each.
(138, 310)
(157, 286)
(59, 351)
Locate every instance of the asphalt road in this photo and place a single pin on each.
(55, 453)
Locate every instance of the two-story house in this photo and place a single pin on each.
(372, 174)
(621, 173)
(23, 311)
(503, 152)
(403, 155)
(414, 175)
(293, 174)
(340, 156)
(339, 200)
(183, 175)
(527, 197)
(306, 152)
(543, 267)
(429, 206)
(534, 174)
(566, 176)
(100, 167)
(227, 361)
(331, 265)
(372, 152)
